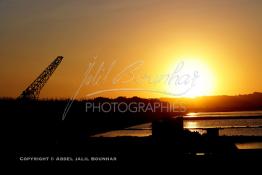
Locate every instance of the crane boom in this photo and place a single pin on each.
(33, 90)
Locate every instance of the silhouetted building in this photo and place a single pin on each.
(168, 128)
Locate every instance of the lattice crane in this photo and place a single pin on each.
(33, 90)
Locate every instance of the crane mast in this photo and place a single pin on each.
(33, 90)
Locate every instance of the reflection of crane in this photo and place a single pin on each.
(32, 92)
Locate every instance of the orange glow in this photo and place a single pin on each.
(220, 39)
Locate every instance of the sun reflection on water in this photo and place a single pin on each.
(191, 114)
(191, 124)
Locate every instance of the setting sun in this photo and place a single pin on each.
(194, 78)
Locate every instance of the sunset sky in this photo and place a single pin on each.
(221, 40)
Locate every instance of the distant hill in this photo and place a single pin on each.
(220, 103)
